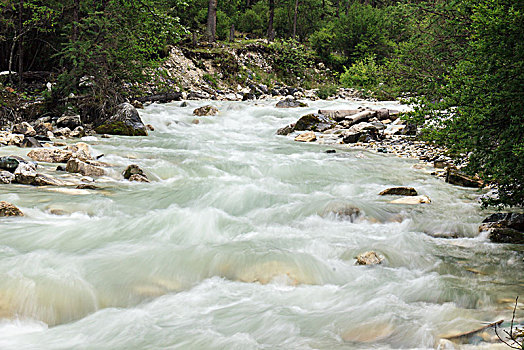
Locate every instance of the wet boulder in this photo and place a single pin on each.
(10, 163)
(26, 174)
(369, 258)
(351, 137)
(399, 191)
(306, 137)
(50, 155)
(6, 177)
(75, 165)
(342, 211)
(504, 228)
(30, 142)
(8, 209)
(131, 170)
(206, 111)
(455, 177)
(286, 130)
(126, 121)
(314, 122)
(78, 132)
(24, 128)
(138, 178)
(290, 102)
(80, 150)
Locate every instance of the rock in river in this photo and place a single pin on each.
(205, 111)
(369, 258)
(75, 165)
(504, 228)
(50, 155)
(399, 191)
(6, 177)
(131, 170)
(290, 102)
(457, 178)
(126, 121)
(306, 137)
(7, 209)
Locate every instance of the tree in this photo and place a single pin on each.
(211, 20)
(270, 30)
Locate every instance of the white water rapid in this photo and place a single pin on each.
(231, 247)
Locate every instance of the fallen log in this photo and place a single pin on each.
(338, 114)
(363, 116)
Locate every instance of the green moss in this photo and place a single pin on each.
(119, 128)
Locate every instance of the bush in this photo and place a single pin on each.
(322, 42)
(326, 91)
(363, 74)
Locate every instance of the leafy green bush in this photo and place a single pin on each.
(322, 42)
(326, 91)
(363, 74)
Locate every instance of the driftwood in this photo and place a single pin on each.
(162, 98)
(356, 114)
(466, 335)
(363, 116)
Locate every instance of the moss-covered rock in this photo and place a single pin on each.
(119, 128)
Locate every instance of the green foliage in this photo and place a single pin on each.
(326, 91)
(290, 58)
(365, 73)
(254, 20)
(322, 42)
(211, 79)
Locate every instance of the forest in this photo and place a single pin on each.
(459, 62)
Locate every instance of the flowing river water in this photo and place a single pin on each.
(232, 246)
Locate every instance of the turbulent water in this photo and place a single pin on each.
(232, 246)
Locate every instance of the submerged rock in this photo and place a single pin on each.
(138, 178)
(399, 191)
(205, 111)
(286, 130)
(504, 228)
(126, 121)
(369, 258)
(8, 209)
(412, 200)
(306, 137)
(342, 210)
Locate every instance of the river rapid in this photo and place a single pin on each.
(232, 245)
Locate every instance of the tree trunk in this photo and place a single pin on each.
(337, 6)
(20, 45)
(232, 33)
(211, 20)
(295, 20)
(76, 8)
(270, 30)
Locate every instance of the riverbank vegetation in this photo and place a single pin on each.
(461, 62)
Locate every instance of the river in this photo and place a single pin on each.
(231, 246)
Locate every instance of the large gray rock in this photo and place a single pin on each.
(25, 174)
(50, 155)
(286, 130)
(75, 165)
(341, 210)
(8, 209)
(399, 191)
(290, 102)
(125, 121)
(10, 163)
(131, 170)
(455, 177)
(30, 142)
(504, 228)
(69, 121)
(314, 122)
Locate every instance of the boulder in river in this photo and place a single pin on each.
(30, 142)
(75, 165)
(131, 170)
(126, 121)
(504, 228)
(290, 102)
(78, 132)
(24, 128)
(351, 137)
(412, 200)
(8, 209)
(455, 177)
(399, 191)
(205, 111)
(10, 163)
(138, 178)
(314, 122)
(26, 174)
(50, 155)
(306, 137)
(6, 177)
(286, 130)
(369, 258)
(80, 150)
